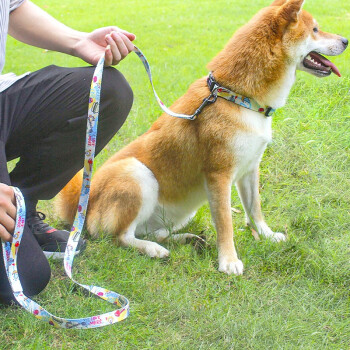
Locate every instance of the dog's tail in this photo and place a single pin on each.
(67, 200)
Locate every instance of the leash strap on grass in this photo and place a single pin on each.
(10, 250)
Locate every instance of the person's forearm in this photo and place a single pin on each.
(33, 26)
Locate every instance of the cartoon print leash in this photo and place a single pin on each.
(10, 250)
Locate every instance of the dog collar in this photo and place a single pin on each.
(219, 91)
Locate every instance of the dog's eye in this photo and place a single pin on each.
(315, 30)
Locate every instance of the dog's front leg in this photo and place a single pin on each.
(248, 190)
(219, 195)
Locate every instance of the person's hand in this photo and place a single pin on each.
(7, 212)
(113, 41)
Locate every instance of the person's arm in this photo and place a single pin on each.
(7, 212)
(32, 25)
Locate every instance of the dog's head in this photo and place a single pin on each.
(304, 42)
(261, 58)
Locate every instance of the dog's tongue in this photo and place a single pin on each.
(325, 62)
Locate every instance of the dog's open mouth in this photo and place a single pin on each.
(320, 65)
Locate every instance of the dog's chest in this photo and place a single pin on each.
(249, 144)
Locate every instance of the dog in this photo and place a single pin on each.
(156, 183)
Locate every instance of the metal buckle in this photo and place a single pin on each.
(269, 111)
(211, 82)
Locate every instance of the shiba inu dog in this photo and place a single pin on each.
(166, 174)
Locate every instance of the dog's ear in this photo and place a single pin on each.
(290, 10)
(278, 2)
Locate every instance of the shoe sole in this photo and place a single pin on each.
(57, 255)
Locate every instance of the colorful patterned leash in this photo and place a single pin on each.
(10, 250)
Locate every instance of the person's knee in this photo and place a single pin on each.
(33, 268)
(34, 277)
(36, 280)
(116, 98)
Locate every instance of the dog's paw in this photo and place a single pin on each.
(279, 237)
(231, 267)
(155, 250)
(265, 231)
(276, 237)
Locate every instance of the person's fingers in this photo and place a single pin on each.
(7, 201)
(108, 56)
(7, 222)
(129, 45)
(4, 235)
(12, 196)
(12, 210)
(122, 40)
(119, 40)
(129, 35)
(114, 49)
(7, 191)
(120, 46)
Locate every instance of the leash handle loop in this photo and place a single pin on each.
(10, 250)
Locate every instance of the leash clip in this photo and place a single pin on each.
(212, 84)
(269, 111)
(209, 100)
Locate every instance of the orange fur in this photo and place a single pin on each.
(66, 202)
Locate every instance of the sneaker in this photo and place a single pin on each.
(53, 242)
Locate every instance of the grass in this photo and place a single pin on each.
(293, 295)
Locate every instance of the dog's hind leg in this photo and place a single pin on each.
(148, 187)
(128, 198)
(248, 190)
(152, 249)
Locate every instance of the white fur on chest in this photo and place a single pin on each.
(249, 145)
(278, 94)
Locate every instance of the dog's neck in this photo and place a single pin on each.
(269, 88)
(277, 94)
(260, 71)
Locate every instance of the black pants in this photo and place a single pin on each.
(43, 122)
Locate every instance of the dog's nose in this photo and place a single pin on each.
(345, 41)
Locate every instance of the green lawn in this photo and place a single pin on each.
(293, 295)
